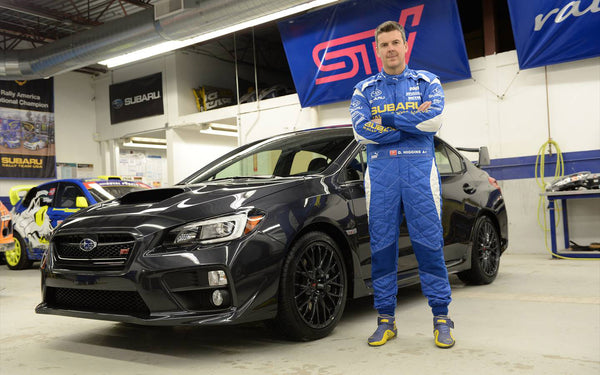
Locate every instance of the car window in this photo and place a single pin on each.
(29, 196)
(259, 164)
(455, 161)
(308, 162)
(441, 159)
(67, 195)
(447, 160)
(283, 156)
(40, 195)
(355, 169)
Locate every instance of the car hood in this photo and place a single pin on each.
(156, 209)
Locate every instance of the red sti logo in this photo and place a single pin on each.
(354, 51)
(393, 152)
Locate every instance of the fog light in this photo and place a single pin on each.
(218, 297)
(217, 278)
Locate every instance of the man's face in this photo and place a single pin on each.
(391, 49)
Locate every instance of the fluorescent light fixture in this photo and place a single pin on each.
(156, 141)
(140, 142)
(177, 44)
(226, 133)
(143, 145)
(224, 127)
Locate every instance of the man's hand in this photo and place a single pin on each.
(424, 106)
(376, 121)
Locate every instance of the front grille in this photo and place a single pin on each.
(99, 301)
(111, 248)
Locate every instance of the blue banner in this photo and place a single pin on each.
(551, 32)
(331, 50)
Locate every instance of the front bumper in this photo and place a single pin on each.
(7, 246)
(169, 288)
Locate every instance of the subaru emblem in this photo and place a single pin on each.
(87, 244)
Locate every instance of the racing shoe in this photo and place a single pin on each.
(441, 331)
(386, 329)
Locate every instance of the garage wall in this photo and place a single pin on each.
(506, 110)
(193, 150)
(501, 107)
(75, 125)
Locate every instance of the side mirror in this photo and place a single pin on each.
(81, 202)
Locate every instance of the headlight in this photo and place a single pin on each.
(221, 229)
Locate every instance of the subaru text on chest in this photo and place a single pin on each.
(274, 230)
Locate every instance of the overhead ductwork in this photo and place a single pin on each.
(134, 32)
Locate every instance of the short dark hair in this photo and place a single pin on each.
(388, 26)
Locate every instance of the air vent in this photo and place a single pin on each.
(167, 8)
(150, 195)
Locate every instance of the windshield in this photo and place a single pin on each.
(106, 192)
(282, 156)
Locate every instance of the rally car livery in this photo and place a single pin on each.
(45, 206)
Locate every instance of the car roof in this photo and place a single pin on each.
(99, 181)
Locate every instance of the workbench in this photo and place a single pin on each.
(563, 196)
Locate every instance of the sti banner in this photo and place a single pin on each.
(27, 129)
(551, 32)
(331, 50)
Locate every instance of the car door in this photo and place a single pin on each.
(64, 204)
(33, 222)
(457, 210)
(355, 191)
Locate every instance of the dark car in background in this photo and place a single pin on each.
(39, 209)
(274, 230)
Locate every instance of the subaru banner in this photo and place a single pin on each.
(138, 98)
(331, 50)
(27, 129)
(552, 32)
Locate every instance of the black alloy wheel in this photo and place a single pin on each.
(485, 253)
(313, 288)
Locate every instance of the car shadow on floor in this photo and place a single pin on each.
(196, 342)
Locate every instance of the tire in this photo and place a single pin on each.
(485, 254)
(313, 288)
(17, 259)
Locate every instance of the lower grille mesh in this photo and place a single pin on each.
(101, 301)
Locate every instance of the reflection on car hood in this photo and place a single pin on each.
(179, 204)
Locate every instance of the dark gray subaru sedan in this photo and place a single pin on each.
(274, 230)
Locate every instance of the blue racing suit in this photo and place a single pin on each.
(402, 176)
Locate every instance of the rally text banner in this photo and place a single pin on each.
(551, 32)
(27, 129)
(331, 50)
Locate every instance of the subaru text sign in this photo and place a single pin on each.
(138, 98)
(551, 32)
(331, 50)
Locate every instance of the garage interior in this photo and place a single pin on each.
(541, 314)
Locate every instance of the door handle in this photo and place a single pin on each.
(469, 189)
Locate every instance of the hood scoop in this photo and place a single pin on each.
(150, 196)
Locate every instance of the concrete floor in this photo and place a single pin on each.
(540, 316)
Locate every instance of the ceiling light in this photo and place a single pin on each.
(156, 141)
(142, 145)
(226, 133)
(177, 44)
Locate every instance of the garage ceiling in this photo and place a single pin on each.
(31, 24)
(41, 38)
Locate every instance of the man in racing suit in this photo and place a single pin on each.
(396, 114)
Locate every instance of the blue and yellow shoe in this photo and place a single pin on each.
(441, 331)
(386, 329)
